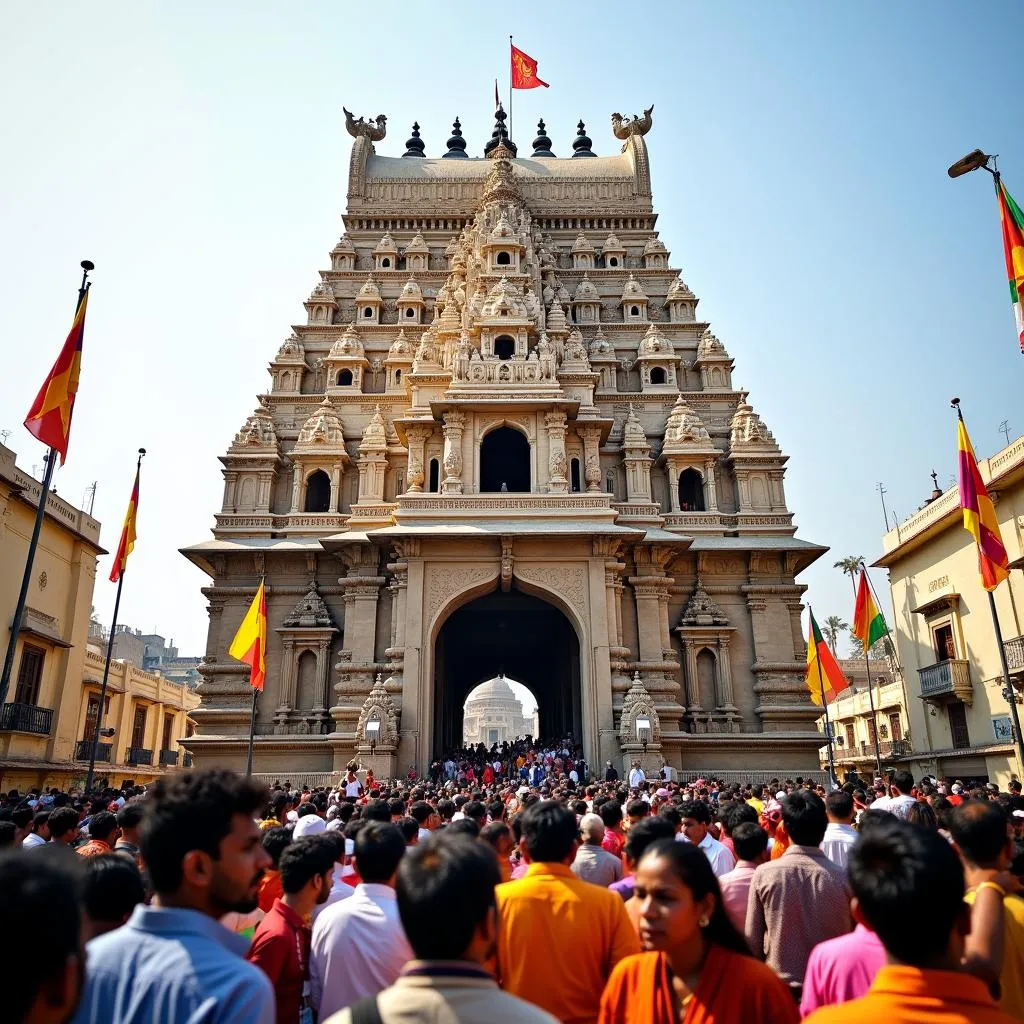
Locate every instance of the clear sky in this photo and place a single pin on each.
(196, 153)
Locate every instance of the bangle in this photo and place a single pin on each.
(991, 885)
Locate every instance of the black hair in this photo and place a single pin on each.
(111, 887)
(42, 926)
(611, 813)
(379, 849)
(979, 830)
(62, 820)
(345, 812)
(839, 804)
(697, 810)
(40, 818)
(305, 810)
(446, 808)
(693, 869)
(494, 831)
(304, 859)
(102, 824)
(496, 810)
(192, 811)
(803, 814)
(21, 816)
(377, 810)
(749, 840)
(903, 781)
(671, 815)
(410, 828)
(421, 811)
(131, 815)
(445, 888)
(8, 830)
(921, 813)
(735, 814)
(550, 830)
(464, 827)
(475, 810)
(910, 886)
(638, 808)
(397, 808)
(646, 832)
(275, 841)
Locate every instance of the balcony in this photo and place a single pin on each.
(83, 751)
(947, 681)
(139, 755)
(1015, 655)
(169, 758)
(26, 718)
(862, 751)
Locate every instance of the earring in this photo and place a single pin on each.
(704, 921)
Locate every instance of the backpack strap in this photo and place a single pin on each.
(366, 1011)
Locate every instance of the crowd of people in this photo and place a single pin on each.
(209, 898)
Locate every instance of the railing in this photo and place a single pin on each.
(26, 718)
(139, 755)
(886, 748)
(299, 779)
(950, 679)
(961, 740)
(169, 758)
(83, 751)
(754, 775)
(1014, 653)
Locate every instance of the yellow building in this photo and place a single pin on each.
(959, 716)
(50, 707)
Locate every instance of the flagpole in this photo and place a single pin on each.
(94, 752)
(1008, 690)
(510, 88)
(19, 609)
(871, 699)
(252, 732)
(824, 704)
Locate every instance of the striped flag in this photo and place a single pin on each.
(250, 643)
(823, 675)
(127, 543)
(1013, 250)
(868, 624)
(980, 514)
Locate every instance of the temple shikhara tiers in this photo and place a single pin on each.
(502, 442)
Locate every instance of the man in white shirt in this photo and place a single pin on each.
(696, 821)
(840, 835)
(636, 776)
(882, 799)
(353, 787)
(359, 947)
(340, 889)
(310, 823)
(40, 831)
(902, 799)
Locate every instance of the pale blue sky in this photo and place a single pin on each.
(196, 152)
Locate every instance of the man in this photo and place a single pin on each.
(647, 832)
(614, 837)
(426, 817)
(280, 947)
(908, 888)
(112, 888)
(636, 776)
(275, 841)
(353, 787)
(840, 835)
(103, 833)
(751, 844)
(754, 800)
(593, 864)
(173, 961)
(310, 822)
(558, 937)
(39, 831)
(358, 946)
(340, 889)
(445, 890)
(63, 825)
(610, 773)
(799, 899)
(129, 818)
(696, 817)
(984, 840)
(902, 799)
(40, 943)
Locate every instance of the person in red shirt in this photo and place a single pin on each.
(614, 838)
(280, 947)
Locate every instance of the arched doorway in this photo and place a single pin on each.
(521, 637)
(691, 491)
(504, 460)
(318, 492)
(497, 711)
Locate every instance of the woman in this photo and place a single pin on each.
(698, 969)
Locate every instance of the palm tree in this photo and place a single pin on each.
(850, 564)
(834, 625)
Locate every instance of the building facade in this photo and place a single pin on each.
(959, 715)
(494, 714)
(503, 441)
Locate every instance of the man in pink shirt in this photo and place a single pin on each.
(841, 969)
(751, 844)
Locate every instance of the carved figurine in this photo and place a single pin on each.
(623, 128)
(374, 130)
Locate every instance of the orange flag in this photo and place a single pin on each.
(250, 643)
(124, 548)
(49, 419)
(524, 70)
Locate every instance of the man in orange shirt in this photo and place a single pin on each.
(558, 937)
(103, 833)
(908, 887)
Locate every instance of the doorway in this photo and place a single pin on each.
(504, 461)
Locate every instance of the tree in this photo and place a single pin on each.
(881, 649)
(850, 564)
(834, 625)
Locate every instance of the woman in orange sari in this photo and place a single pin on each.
(698, 969)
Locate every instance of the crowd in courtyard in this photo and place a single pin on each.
(509, 897)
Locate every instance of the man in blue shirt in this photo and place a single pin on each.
(173, 961)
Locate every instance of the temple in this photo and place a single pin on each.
(503, 442)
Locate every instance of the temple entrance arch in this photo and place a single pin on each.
(516, 634)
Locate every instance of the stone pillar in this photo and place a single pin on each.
(287, 693)
(323, 666)
(335, 505)
(296, 487)
(710, 486)
(647, 591)
(723, 680)
(558, 464)
(417, 438)
(692, 680)
(672, 472)
(591, 456)
(454, 422)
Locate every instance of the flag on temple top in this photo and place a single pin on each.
(868, 624)
(980, 514)
(49, 419)
(524, 70)
(1013, 249)
(823, 672)
(497, 98)
(127, 543)
(250, 643)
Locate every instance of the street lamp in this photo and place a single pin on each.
(643, 730)
(373, 733)
(974, 160)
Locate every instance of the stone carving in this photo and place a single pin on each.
(310, 612)
(700, 610)
(638, 702)
(445, 583)
(567, 582)
(378, 705)
(747, 430)
(258, 432)
(374, 129)
(622, 128)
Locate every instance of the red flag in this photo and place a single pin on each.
(49, 419)
(524, 70)
(250, 642)
(124, 548)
